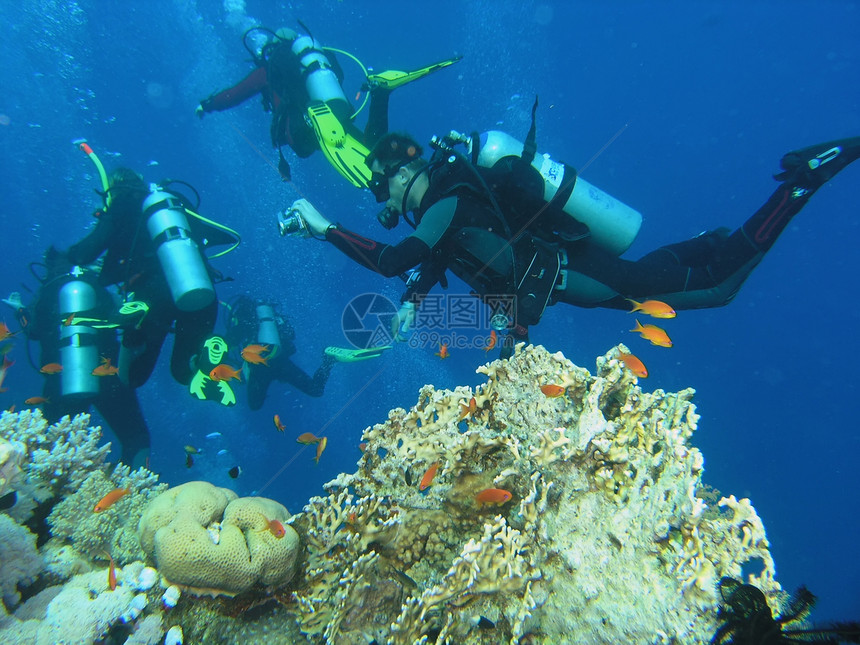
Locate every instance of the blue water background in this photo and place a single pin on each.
(706, 97)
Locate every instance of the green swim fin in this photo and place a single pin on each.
(342, 150)
(392, 78)
(343, 355)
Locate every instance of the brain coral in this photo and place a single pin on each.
(208, 540)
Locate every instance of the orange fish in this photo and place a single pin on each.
(105, 369)
(493, 497)
(277, 529)
(253, 354)
(4, 331)
(111, 574)
(6, 365)
(68, 321)
(37, 400)
(108, 500)
(654, 334)
(308, 438)
(255, 349)
(320, 448)
(653, 308)
(351, 518)
(429, 474)
(224, 372)
(362, 446)
(468, 410)
(443, 351)
(553, 391)
(633, 364)
(280, 427)
(51, 368)
(491, 341)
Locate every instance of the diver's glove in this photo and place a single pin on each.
(199, 111)
(14, 301)
(402, 322)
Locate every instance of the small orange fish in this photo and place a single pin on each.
(280, 427)
(654, 334)
(351, 518)
(633, 364)
(277, 529)
(255, 359)
(320, 448)
(110, 499)
(468, 410)
(493, 497)
(37, 400)
(443, 351)
(491, 341)
(224, 372)
(111, 574)
(255, 349)
(429, 474)
(51, 368)
(653, 308)
(308, 438)
(553, 391)
(362, 446)
(105, 369)
(68, 321)
(4, 331)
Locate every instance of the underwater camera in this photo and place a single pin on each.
(291, 222)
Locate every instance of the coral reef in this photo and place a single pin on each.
(20, 562)
(208, 541)
(602, 510)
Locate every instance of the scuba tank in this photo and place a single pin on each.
(267, 328)
(613, 225)
(178, 253)
(79, 353)
(321, 82)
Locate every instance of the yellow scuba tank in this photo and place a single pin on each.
(79, 353)
(180, 257)
(613, 224)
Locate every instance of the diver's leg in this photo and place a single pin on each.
(258, 379)
(377, 119)
(299, 379)
(120, 408)
(708, 270)
(193, 328)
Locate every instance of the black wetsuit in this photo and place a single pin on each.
(116, 402)
(130, 260)
(459, 229)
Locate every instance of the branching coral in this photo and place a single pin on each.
(604, 511)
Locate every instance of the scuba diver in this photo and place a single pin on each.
(153, 242)
(258, 323)
(75, 320)
(506, 220)
(300, 83)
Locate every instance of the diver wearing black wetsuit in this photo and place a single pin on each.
(260, 323)
(131, 261)
(458, 227)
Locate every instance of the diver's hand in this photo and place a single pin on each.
(14, 301)
(199, 111)
(317, 224)
(402, 322)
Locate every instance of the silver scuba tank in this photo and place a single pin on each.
(321, 82)
(79, 353)
(613, 224)
(267, 328)
(178, 253)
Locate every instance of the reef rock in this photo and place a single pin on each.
(599, 507)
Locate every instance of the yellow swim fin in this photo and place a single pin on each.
(342, 150)
(391, 79)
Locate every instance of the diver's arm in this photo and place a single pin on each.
(386, 259)
(93, 245)
(250, 86)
